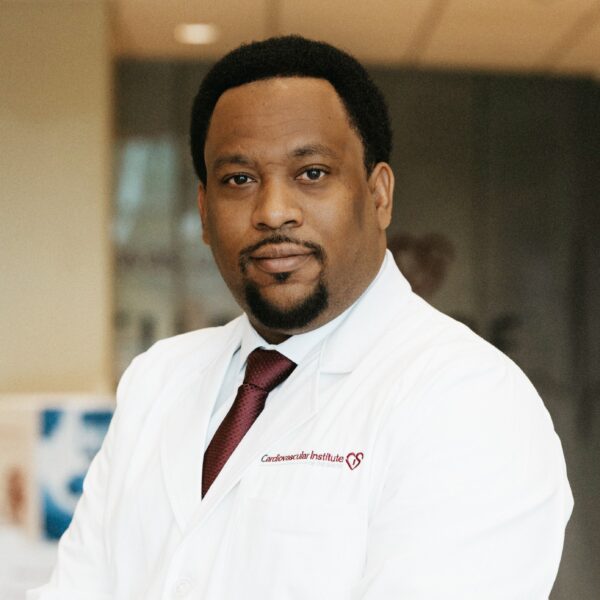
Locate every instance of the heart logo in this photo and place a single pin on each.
(353, 459)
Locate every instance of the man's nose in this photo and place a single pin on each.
(276, 206)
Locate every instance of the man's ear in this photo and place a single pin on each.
(381, 184)
(202, 211)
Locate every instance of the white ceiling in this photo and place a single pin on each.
(559, 36)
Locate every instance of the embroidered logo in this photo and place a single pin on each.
(353, 459)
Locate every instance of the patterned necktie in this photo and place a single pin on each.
(265, 369)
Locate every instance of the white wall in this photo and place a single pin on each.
(55, 258)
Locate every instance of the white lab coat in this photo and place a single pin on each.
(458, 490)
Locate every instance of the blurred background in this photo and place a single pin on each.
(496, 112)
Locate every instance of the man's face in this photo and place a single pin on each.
(296, 227)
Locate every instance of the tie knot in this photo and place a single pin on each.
(266, 369)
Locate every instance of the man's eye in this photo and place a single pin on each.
(313, 174)
(238, 179)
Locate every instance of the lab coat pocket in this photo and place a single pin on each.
(295, 550)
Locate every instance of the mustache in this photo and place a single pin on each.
(245, 253)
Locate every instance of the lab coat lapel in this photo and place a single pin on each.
(368, 321)
(184, 430)
(297, 404)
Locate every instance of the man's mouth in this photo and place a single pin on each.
(280, 258)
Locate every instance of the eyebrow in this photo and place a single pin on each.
(312, 149)
(232, 159)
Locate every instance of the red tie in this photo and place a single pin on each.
(265, 370)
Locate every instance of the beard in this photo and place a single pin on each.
(296, 317)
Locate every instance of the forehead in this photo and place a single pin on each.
(279, 113)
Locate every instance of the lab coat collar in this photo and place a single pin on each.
(367, 320)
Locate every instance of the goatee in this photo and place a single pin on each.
(296, 317)
(269, 315)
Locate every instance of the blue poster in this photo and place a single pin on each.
(69, 440)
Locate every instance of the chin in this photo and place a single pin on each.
(297, 315)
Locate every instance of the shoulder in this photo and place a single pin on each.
(461, 404)
(443, 371)
(423, 343)
(459, 392)
(174, 357)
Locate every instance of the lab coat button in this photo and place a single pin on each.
(183, 587)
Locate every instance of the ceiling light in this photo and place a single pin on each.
(196, 33)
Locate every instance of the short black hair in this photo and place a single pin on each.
(295, 56)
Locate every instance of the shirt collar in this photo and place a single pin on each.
(296, 347)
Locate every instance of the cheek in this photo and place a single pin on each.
(349, 239)
(344, 224)
(225, 233)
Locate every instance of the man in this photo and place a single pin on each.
(391, 455)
